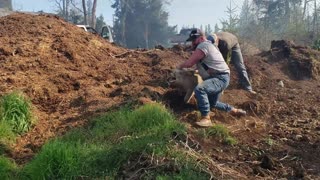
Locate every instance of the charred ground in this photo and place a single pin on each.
(71, 76)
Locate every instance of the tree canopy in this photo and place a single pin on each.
(141, 23)
(264, 20)
(6, 4)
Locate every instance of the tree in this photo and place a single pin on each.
(216, 28)
(63, 8)
(6, 4)
(93, 15)
(209, 29)
(75, 16)
(79, 12)
(84, 12)
(230, 25)
(121, 8)
(201, 27)
(264, 20)
(100, 23)
(141, 23)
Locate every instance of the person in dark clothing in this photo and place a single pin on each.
(229, 47)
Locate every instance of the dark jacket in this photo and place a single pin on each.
(226, 41)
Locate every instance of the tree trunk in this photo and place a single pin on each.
(146, 34)
(67, 9)
(287, 11)
(315, 20)
(93, 16)
(124, 7)
(304, 8)
(84, 12)
(64, 9)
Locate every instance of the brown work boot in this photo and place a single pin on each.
(205, 122)
(252, 92)
(238, 112)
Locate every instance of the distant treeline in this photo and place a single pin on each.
(6, 4)
(261, 21)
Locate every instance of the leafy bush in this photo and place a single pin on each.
(16, 111)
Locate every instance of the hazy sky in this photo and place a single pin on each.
(182, 12)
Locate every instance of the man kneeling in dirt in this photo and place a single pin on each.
(230, 49)
(215, 74)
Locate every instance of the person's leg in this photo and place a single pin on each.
(214, 98)
(207, 94)
(237, 61)
(215, 103)
(203, 92)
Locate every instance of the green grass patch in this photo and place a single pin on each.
(219, 131)
(15, 110)
(6, 136)
(7, 169)
(269, 141)
(127, 142)
(57, 160)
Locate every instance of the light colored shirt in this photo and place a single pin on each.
(208, 54)
(213, 59)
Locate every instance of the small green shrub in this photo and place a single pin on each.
(16, 111)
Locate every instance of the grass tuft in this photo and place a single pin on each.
(221, 132)
(57, 160)
(7, 168)
(16, 112)
(6, 136)
(218, 130)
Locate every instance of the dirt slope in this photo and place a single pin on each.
(71, 75)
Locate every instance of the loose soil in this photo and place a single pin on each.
(72, 76)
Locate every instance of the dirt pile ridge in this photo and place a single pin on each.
(71, 75)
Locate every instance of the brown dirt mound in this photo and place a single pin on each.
(302, 62)
(71, 75)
